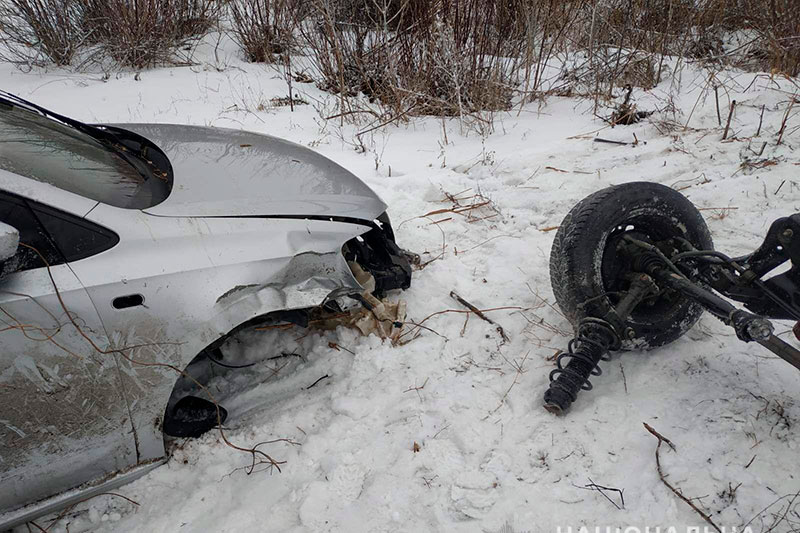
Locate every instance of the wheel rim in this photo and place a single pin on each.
(649, 226)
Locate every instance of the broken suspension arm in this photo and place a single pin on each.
(597, 337)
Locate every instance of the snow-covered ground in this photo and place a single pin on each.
(447, 432)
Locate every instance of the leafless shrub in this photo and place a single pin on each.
(456, 57)
(777, 26)
(461, 62)
(133, 33)
(143, 33)
(40, 32)
(348, 57)
(388, 15)
(431, 56)
(696, 29)
(265, 28)
(418, 57)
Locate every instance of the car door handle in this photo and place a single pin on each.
(130, 300)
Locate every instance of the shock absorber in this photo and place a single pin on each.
(593, 342)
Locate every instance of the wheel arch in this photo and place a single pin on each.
(238, 308)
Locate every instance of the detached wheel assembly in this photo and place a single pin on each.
(633, 266)
(589, 272)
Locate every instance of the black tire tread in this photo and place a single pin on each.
(561, 263)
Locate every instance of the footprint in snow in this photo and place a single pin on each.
(324, 499)
(443, 457)
(474, 493)
(347, 480)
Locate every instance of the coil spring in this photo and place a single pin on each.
(592, 344)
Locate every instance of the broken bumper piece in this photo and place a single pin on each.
(377, 253)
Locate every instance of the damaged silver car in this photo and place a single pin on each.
(127, 248)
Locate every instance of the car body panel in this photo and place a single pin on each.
(63, 412)
(254, 225)
(69, 498)
(220, 172)
(225, 279)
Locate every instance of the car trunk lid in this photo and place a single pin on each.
(222, 173)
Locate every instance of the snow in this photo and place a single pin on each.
(488, 454)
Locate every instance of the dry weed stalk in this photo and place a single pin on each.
(677, 492)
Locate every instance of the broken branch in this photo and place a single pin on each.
(662, 439)
(478, 312)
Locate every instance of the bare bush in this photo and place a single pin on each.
(133, 33)
(461, 64)
(265, 28)
(348, 57)
(444, 58)
(143, 33)
(697, 29)
(777, 24)
(40, 32)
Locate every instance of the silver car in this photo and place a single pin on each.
(127, 247)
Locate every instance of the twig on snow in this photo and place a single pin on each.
(478, 312)
(624, 379)
(791, 497)
(520, 369)
(662, 439)
(417, 389)
(419, 325)
(609, 141)
(320, 379)
(728, 123)
(602, 490)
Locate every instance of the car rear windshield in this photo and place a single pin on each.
(46, 150)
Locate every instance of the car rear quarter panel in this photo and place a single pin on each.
(200, 278)
(63, 418)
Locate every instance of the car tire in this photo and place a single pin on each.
(583, 258)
